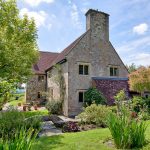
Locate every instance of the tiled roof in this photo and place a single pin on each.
(45, 59)
(48, 59)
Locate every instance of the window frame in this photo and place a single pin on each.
(81, 91)
(40, 78)
(113, 71)
(84, 73)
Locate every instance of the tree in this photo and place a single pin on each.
(139, 80)
(131, 68)
(18, 46)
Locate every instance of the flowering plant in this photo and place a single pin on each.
(70, 127)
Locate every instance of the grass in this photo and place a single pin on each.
(89, 140)
(15, 102)
(21, 100)
(35, 113)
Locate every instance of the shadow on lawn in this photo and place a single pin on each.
(46, 143)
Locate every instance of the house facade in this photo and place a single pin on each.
(90, 60)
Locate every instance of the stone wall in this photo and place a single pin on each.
(33, 87)
(99, 54)
(53, 84)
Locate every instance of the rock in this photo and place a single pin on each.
(48, 129)
(58, 122)
(45, 118)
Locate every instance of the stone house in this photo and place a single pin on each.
(90, 60)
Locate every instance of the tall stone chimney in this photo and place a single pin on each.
(98, 22)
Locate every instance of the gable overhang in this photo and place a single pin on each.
(110, 78)
(60, 62)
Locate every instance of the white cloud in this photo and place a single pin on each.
(134, 45)
(75, 16)
(140, 59)
(39, 16)
(140, 29)
(37, 2)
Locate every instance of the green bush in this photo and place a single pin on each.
(12, 120)
(95, 114)
(126, 132)
(137, 103)
(92, 95)
(54, 107)
(23, 140)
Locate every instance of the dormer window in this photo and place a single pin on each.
(83, 69)
(114, 71)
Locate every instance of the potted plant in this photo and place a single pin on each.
(19, 104)
(24, 107)
(35, 107)
(29, 108)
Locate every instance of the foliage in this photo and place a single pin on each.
(33, 122)
(95, 114)
(6, 89)
(54, 107)
(139, 80)
(70, 127)
(119, 99)
(93, 95)
(13, 120)
(126, 132)
(23, 140)
(60, 81)
(18, 46)
(131, 68)
(137, 103)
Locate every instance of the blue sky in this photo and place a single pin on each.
(60, 22)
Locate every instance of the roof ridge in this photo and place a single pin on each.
(67, 50)
(49, 52)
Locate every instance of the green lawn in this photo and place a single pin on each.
(14, 102)
(35, 113)
(88, 140)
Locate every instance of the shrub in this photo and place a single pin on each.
(12, 120)
(137, 103)
(34, 122)
(126, 132)
(54, 107)
(23, 140)
(92, 95)
(95, 114)
(70, 127)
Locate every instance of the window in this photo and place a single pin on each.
(40, 78)
(39, 95)
(81, 97)
(146, 96)
(114, 71)
(83, 69)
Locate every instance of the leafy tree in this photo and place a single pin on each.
(131, 68)
(18, 47)
(92, 95)
(139, 80)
